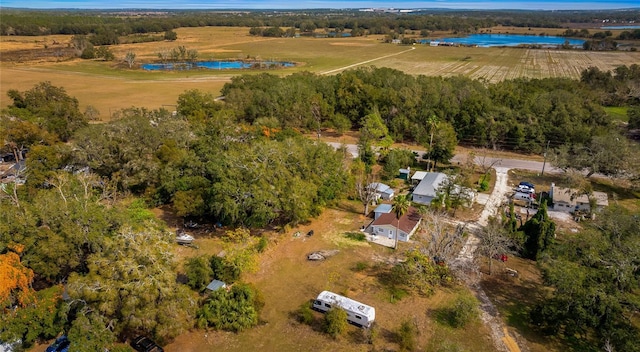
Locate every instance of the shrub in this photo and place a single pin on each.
(88, 53)
(233, 310)
(198, 272)
(407, 336)
(262, 244)
(223, 270)
(170, 35)
(371, 333)
(360, 266)
(304, 314)
(484, 186)
(419, 272)
(335, 322)
(396, 294)
(356, 236)
(463, 311)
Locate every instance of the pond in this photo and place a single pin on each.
(217, 65)
(487, 40)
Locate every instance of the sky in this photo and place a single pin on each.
(313, 4)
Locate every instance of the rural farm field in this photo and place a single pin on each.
(110, 86)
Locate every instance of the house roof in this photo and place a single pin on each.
(408, 221)
(419, 175)
(382, 188)
(216, 285)
(429, 184)
(383, 208)
(562, 194)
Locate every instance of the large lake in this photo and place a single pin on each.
(487, 40)
(217, 65)
(621, 27)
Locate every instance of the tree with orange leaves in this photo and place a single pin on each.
(15, 280)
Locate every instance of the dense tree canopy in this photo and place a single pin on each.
(595, 275)
(49, 107)
(519, 114)
(115, 263)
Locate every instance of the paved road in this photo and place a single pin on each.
(496, 162)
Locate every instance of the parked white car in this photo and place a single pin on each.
(525, 189)
(529, 197)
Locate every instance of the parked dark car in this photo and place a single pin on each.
(528, 184)
(144, 344)
(61, 344)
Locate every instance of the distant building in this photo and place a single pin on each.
(566, 199)
(382, 191)
(404, 173)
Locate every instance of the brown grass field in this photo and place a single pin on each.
(110, 86)
(288, 280)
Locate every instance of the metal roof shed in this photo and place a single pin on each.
(215, 285)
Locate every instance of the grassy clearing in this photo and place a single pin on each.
(288, 281)
(617, 113)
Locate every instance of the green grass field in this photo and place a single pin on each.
(109, 86)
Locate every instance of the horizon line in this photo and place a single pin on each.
(312, 8)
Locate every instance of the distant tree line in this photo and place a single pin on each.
(603, 40)
(21, 22)
(520, 114)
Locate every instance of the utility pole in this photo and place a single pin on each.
(432, 120)
(545, 158)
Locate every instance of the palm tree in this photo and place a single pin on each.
(400, 207)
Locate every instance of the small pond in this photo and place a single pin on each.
(487, 40)
(217, 65)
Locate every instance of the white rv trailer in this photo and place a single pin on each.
(357, 313)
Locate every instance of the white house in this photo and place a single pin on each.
(427, 189)
(386, 224)
(562, 199)
(383, 191)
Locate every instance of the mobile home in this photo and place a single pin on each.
(357, 313)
